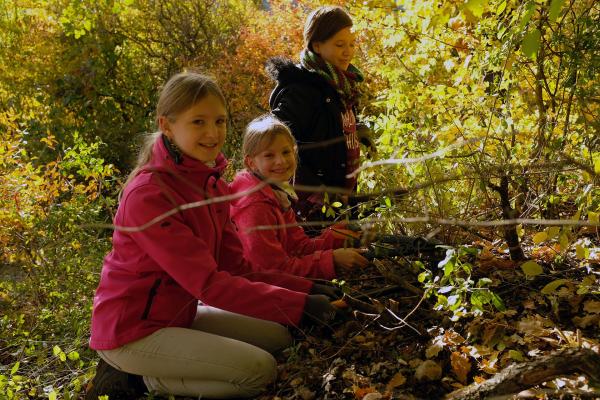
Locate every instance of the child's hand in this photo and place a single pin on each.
(349, 258)
(330, 291)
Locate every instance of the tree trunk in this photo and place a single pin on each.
(522, 376)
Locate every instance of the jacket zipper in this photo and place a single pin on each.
(151, 295)
(216, 253)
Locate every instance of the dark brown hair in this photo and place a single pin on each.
(323, 23)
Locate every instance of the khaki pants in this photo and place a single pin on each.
(223, 355)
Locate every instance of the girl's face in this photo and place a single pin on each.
(199, 132)
(338, 49)
(277, 161)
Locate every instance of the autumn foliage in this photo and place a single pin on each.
(486, 116)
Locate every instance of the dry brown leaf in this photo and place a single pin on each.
(361, 392)
(592, 306)
(489, 365)
(461, 365)
(534, 326)
(585, 321)
(397, 380)
(452, 338)
(436, 346)
(428, 371)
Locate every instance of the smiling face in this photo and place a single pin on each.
(276, 162)
(199, 131)
(338, 49)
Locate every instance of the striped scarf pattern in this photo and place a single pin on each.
(344, 82)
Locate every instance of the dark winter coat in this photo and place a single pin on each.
(312, 109)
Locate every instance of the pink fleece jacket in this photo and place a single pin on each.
(155, 275)
(284, 249)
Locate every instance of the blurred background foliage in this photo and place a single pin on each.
(497, 103)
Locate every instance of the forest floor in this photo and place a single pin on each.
(413, 344)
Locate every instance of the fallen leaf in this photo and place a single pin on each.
(397, 380)
(461, 365)
(428, 371)
(361, 392)
(592, 306)
(373, 396)
(588, 320)
(531, 268)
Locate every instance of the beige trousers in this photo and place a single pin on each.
(223, 355)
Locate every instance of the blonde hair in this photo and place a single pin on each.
(181, 91)
(261, 132)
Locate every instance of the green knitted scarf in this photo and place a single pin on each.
(344, 82)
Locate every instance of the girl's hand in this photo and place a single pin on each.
(349, 258)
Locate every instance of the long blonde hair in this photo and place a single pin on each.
(181, 91)
(261, 132)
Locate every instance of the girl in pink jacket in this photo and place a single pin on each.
(173, 246)
(266, 222)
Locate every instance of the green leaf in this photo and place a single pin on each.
(336, 204)
(476, 7)
(531, 268)
(527, 15)
(515, 355)
(56, 350)
(552, 286)
(593, 217)
(531, 43)
(540, 237)
(15, 368)
(501, 7)
(581, 252)
(555, 8)
(497, 302)
(52, 395)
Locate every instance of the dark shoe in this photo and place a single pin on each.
(115, 384)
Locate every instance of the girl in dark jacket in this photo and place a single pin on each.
(175, 246)
(317, 99)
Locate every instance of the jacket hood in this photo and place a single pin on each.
(284, 71)
(163, 160)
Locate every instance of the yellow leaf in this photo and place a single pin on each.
(531, 268)
(593, 217)
(564, 241)
(540, 237)
(552, 286)
(581, 252)
(553, 232)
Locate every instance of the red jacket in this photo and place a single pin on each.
(154, 277)
(286, 249)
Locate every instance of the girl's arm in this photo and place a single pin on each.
(232, 259)
(265, 250)
(189, 260)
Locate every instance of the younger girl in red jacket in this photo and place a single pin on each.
(175, 245)
(265, 219)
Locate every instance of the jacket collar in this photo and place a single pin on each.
(163, 160)
(284, 71)
(246, 180)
